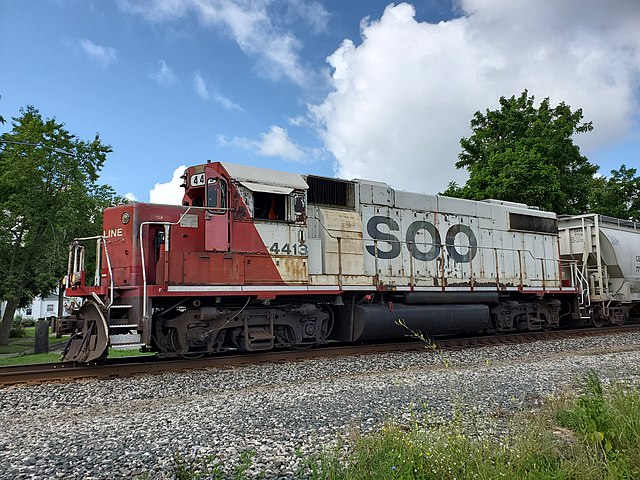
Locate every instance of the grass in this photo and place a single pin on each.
(211, 468)
(55, 357)
(593, 435)
(132, 352)
(26, 343)
(26, 359)
(14, 347)
(446, 452)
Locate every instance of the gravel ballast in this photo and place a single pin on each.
(124, 428)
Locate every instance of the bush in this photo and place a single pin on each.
(19, 325)
(25, 322)
(17, 330)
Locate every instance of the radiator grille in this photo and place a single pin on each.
(330, 192)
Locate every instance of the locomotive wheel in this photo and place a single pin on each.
(597, 319)
(284, 336)
(92, 341)
(545, 325)
(237, 339)
(218, 343)
(174, 341)
(291, 340)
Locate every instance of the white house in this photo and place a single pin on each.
(39, 308)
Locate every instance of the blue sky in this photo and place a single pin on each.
(358, 88)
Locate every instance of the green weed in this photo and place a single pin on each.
(210, 468)
(593, 436)
(609, 424)
(429, 344)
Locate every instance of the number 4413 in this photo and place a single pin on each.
(289, 249)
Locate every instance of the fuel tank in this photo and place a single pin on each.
(381, 321)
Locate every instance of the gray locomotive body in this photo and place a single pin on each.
(442, 265)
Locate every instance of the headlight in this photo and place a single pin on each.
(125, 218)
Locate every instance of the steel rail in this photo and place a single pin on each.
(130, 366)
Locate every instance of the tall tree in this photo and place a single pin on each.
(617, 196)
(525, 154)
(49, 194)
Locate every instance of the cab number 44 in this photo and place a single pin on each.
(289, 249)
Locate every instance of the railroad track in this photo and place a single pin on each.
(129, 366)
(524, 337)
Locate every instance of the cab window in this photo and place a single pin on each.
(269, 206)
(213, 192)
(299, 208)
(216, 193)
(223, 194)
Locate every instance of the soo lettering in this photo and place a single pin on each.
(426, 251)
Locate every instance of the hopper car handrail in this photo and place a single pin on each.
(619, 222)
(604, 219)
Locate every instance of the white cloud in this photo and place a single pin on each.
(200, 86)
(105, 56)
(274, 143)
(226, 103)
(402, 99)
(248, 23)
(299, 121)
(313, 13)
(164, 76)
(240, 142)
(169, 193)
(131, 196)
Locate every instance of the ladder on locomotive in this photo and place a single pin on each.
(116, 314)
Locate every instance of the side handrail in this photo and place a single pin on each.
(100, 240)
(442, 244)
(167, 226)
(585, 290)
(520, 252)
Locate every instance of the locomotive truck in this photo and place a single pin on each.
(256, 259)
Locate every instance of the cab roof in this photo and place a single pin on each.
(253, 177)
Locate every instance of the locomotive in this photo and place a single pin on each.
(256, 259)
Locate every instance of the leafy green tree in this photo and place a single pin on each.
(617, 196)
(49, 194)
(525, 154)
